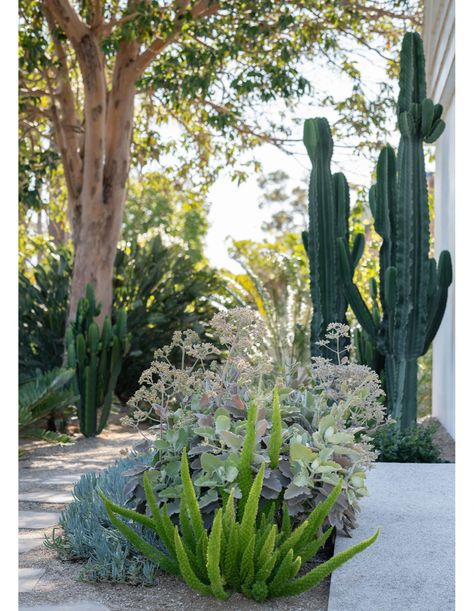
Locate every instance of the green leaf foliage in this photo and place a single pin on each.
(244, 554)
(42, 398)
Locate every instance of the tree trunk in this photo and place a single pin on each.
(94, 254)
(97, 228)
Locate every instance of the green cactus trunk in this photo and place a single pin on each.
(328, 207)
(413, 289)
(402, 384)
(97, 359)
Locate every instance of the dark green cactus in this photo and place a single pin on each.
(413, 289)
(328, 206)
(97, 359)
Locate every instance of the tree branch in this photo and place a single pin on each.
(68, 20)
(380, 12)
(202, 8)
(68, 122)
(97, 16)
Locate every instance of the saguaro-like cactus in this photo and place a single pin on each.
(328, 206)
(413, 289)
(97, 359)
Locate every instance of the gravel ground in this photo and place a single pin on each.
(442, 439)
(60, 582)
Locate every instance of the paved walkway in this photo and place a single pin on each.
(46, 480)
(411, 565)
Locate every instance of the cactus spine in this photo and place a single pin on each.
(328, 207)
(97, 359)
(413, 289)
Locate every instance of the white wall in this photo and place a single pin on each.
(438, 38)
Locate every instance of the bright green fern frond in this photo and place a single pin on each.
(231, 561)
(282, 574)
(185, 568)
(148, 550)
(190, 498)
(274, 445)
(311, 549)
(319, 514)
(247, 527)
(316, 575)
(247, 565)
(159, 527)
(213, 558)
(246, 457)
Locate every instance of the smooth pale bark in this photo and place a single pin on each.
(95, 143)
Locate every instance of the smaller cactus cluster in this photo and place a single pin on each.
(97, 358)
(251, 550)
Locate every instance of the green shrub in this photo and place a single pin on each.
(324, 424)
(43, 301)
(416, 444)
(163, 290)
(89, 536)
(43, 401)
(251, 554)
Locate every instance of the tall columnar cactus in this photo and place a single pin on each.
(413, 288)
(328, 207)
(97, 359)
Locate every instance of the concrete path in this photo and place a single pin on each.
(81, 605)
(411, 565)
(46, 479)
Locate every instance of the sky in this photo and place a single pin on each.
(234, 211)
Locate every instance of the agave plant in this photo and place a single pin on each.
(257, 554)
(44, 397)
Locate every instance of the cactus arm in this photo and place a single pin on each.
(438, 129)
(113, 374)
(304, 238)
(412, 72)
(352, 293)
(438, 305)
(357, 249)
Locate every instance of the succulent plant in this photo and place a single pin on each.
(328, 207)
(97, 359)
(413, 288)
(88, 535)
(249, 553)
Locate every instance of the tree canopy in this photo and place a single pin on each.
(205, 72)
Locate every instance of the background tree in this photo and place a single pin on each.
(200, 64)
(289, 208)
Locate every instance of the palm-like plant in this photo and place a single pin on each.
(46, 395)
(276, 282)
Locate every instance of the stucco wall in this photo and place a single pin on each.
(440, 66)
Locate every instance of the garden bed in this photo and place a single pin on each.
(47, 475)
(50, 467)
